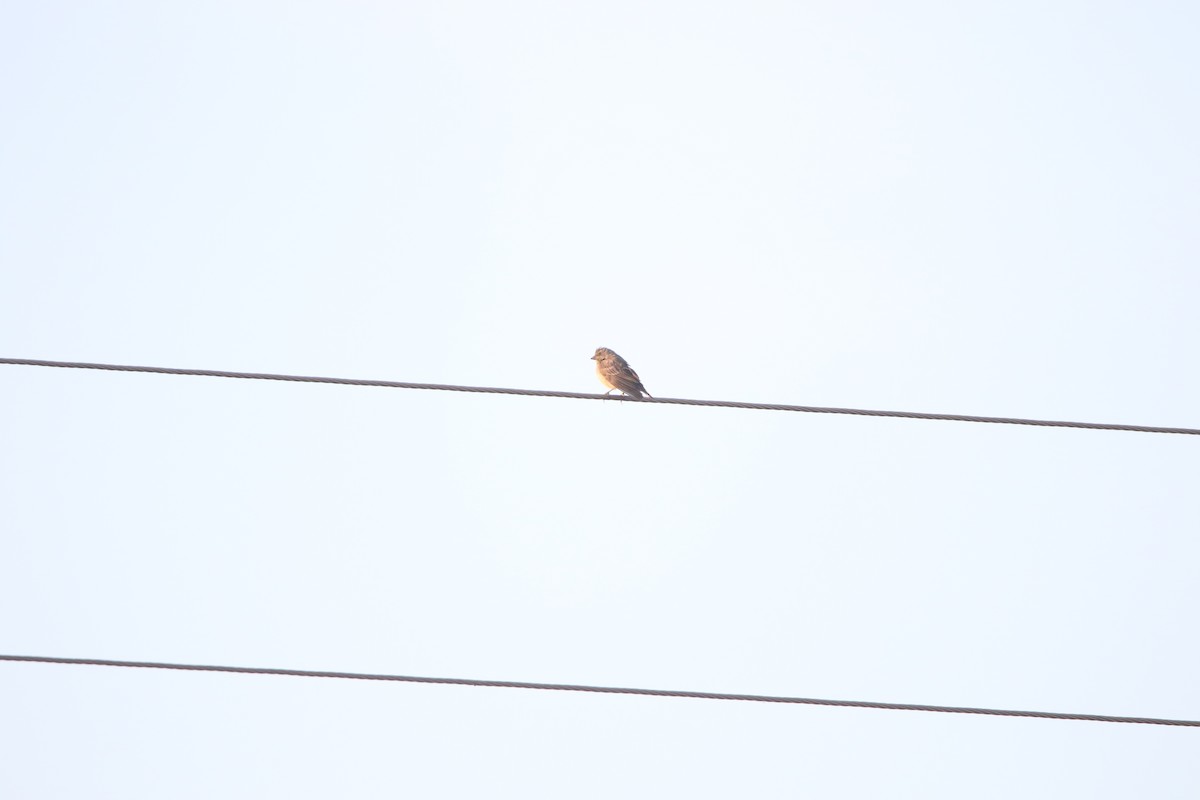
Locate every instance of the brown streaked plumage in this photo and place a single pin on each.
(615, 373)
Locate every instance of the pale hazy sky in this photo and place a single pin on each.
(953, 207)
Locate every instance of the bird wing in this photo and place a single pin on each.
(625, 379)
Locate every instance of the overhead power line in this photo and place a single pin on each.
(442, 387)
(567, 687)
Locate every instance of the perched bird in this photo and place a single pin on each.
(615, 373)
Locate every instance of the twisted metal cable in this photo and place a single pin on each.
(567, 687)
(265, 376)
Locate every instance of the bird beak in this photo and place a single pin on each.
(593, 358)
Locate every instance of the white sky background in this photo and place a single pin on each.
(965, 208)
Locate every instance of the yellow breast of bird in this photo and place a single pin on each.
(604, 378)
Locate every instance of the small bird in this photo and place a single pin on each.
(615, 373)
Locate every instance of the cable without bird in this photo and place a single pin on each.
(263, 376)
(567, 687)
